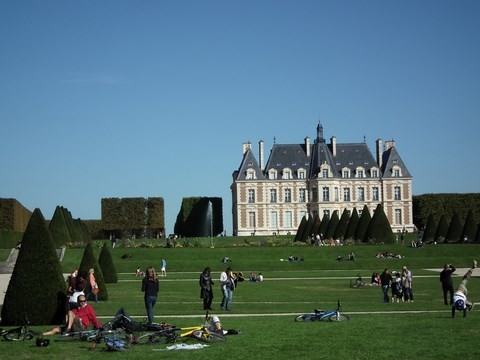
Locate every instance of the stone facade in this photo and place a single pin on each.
(316, 179)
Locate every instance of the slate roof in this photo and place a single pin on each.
(294, 157)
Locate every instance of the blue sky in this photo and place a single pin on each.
(155, 98)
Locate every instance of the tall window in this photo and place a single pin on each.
(325, 173)
(273, 195)
(273, 220)
(314, 194)
(326, 193)
(374, 173)
(288, 219)
(346, 194)
(251, 196)
(301, 174)
(397, 194)
(288, 195)
(272, 174)
(375, 193)
(398, 216)
(302, 195)
(360, 174)
(251, 220)
(361, 194)
(345, 174)
(396, 173)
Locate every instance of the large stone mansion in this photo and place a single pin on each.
(318, 179)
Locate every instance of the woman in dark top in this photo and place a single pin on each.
(150, 287)
(206, 291)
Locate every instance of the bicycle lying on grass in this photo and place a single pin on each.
(322, 315)
(19, 333)
(167, 333)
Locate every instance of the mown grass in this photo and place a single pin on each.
(423, 329)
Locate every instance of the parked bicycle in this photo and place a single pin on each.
(322, 315)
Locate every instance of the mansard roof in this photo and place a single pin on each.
(391, 159)
(248, 162)
(291, 156)
(352, 156)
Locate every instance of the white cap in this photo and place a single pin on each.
(215, 319)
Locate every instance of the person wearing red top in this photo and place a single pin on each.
(77, 319)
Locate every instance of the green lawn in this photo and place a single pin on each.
(423, 329)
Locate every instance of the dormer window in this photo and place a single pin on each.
(346, 173)
(396, 171)
(272, 174)
(301, 173)
(286, 174)
(360, 172)
(374, 173)
(251, 174)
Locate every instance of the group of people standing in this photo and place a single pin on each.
(400, 285)
(228, 282)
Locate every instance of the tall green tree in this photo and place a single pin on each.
(379, 229)
(37, 275)
(88, 262)
(107, 265)
(362, 225)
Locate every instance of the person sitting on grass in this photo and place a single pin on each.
(460, 301)
(78, 319)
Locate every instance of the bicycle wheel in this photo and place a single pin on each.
(215, 337)
(145, 339)
(305, 317)
(338, 317)
(13, 334)
(18, 334)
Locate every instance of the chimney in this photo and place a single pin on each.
(307, 146)
(379, 152)
(260, 150)
(389, 144)
(333, 142)
(247, 146)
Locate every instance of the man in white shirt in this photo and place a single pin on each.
(460, 301)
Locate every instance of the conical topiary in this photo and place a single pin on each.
(90, 262)
(37, 287)
(430, 229)
(108, 267)
(362, 225)
(442, 229)
(379, 229)
(342, 226)
(332, 225)
(470, 227)
(454, 232)
(352, 225)
(301, 229)
(59, 229)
